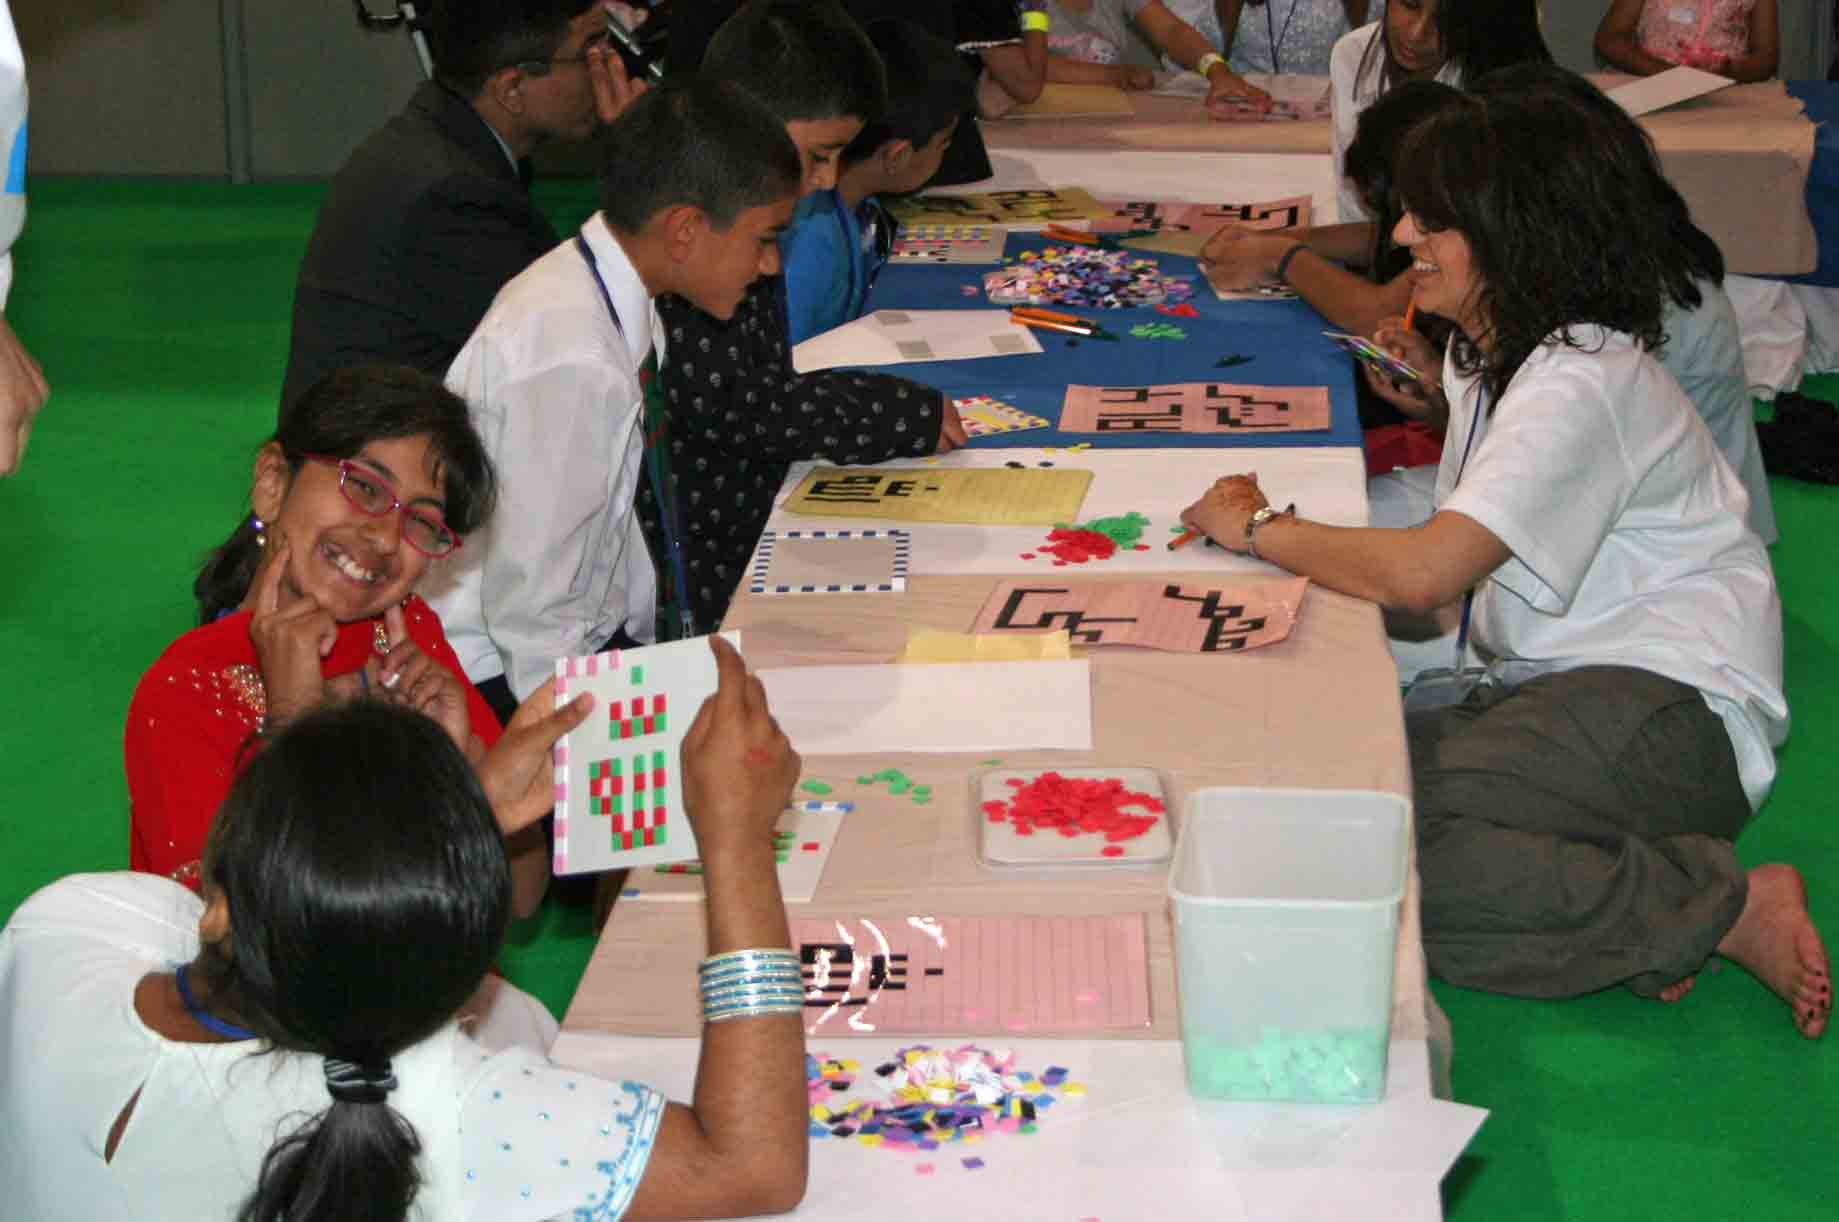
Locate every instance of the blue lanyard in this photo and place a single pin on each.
(654, 471)
(203, 1017)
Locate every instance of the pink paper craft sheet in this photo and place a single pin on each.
(1172, 215)
(1188, 618)
(974, 975)
(1195, 407)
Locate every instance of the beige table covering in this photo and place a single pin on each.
(1740, 157)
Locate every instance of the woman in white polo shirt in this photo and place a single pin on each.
(1576, 811)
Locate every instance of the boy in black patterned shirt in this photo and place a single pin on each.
(739, 415)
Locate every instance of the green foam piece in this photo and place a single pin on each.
(817, 787)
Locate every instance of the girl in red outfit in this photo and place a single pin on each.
(372, 476)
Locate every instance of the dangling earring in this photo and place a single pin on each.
(261, 539)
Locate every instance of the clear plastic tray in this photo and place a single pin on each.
(1001, 847)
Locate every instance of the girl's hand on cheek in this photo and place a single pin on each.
(411, 678)
(290, 642)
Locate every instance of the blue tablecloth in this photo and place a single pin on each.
(1284, 338)
(1821, 98)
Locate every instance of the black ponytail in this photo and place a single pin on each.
(367, 891)
(355, 1163)
(338, 416)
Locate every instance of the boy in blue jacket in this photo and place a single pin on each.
(840, 238)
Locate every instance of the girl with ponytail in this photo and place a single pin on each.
(285, 1048)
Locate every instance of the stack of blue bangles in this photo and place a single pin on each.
(746, 983)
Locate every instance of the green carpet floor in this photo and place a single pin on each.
(161, 314)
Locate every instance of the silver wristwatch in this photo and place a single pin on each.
(1259, 518)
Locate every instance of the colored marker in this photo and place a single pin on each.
(1184, 538)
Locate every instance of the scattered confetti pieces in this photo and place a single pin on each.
(1184, 310)
(926, 1098)
(1084, 276)
(1099, 539)
(1074, 806)
(900, 785)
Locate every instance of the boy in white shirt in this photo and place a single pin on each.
(699, 181)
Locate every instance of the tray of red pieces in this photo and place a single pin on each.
(1082, 818)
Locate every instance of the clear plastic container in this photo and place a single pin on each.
(1286, 924)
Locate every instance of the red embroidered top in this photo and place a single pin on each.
(194, 715)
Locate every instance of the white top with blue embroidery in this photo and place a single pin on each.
(12, 146)
(505, 1136)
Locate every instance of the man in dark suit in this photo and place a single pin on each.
(431, 216)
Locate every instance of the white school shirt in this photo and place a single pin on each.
(505, 1137)
(1627, 529)
(554, 391)
(1351, 91)
(12, 146)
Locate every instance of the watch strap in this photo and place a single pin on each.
(1259, 518)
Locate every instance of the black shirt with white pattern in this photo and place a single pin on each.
(739, 417)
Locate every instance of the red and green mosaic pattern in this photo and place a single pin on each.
(635, 794)
(638, 716)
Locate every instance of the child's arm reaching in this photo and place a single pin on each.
(732, 389)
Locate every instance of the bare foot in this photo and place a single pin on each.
(1679, 988)
(1776, 941)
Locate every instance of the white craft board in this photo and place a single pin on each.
(1328, 484)
(799, 873)
(1001, 846)
(640, 743)
(1136, 1146)
(942, 707)
(1668, 88)
(897, 337)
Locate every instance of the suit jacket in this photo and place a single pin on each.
(421, 228)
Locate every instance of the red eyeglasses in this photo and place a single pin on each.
(370, 492)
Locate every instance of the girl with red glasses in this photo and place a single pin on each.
(372, 477)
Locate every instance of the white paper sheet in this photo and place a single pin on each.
(896, 337)
(1135, 1146)
(1328, 484)
(1668, 88)
(943, 707)
(803, 840)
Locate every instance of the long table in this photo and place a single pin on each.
(1740, 156)
(1319, 710)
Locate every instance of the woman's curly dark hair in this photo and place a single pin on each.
(1557, 205)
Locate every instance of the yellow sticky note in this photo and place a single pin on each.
(991, 496)
(931, 645)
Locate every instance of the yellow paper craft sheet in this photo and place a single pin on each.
(998, 207)
(998, 496)
(933, 645)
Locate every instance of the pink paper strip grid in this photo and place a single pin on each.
(974, 975)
